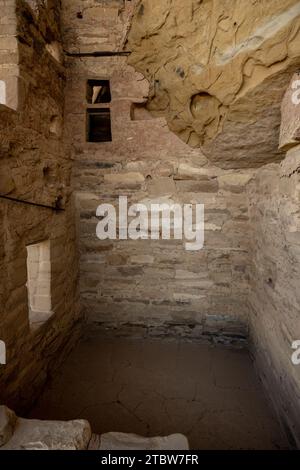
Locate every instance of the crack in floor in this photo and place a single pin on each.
(151, 387)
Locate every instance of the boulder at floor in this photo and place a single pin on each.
(26, 434)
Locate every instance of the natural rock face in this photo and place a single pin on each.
(218, 71)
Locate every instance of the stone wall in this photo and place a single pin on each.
(96, 25)
(9, 55)
(274, 298)
(149, 287)
(35, 167)
(274, 200)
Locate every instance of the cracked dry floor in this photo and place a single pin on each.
(155, 387)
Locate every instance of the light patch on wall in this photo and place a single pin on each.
(39, 283)
(55, 126)
(34, 5)
(55, 50)
(261, 34)
(2, 353)
(2, 92)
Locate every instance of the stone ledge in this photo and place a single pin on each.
(24, 434)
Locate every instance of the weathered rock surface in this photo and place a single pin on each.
(218, 72)
(49, 435)
(31, 434)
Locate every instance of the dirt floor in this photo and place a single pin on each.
(155, 387)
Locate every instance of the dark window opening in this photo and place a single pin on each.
(98, 125)
(98, 91)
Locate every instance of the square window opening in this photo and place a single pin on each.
(39, 283)
(99, 125)
(98, 91)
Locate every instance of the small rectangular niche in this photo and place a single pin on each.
(98, 91)
(98, 125)
(39, 283)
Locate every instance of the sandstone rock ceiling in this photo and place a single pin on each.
(218, 71)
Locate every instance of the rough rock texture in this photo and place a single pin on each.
(151, 287)
(121, 441)
(218, 71)
(25, 434)
(35, 167)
